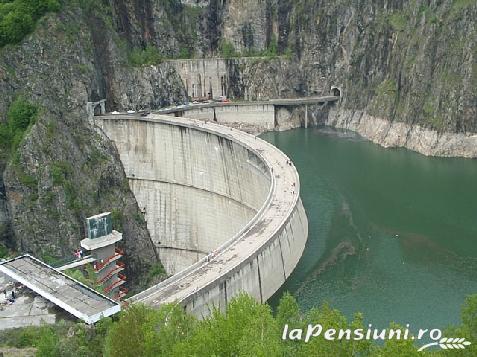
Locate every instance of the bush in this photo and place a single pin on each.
(272, 49)
(118, 219)
(144, 57)
(185, 53)
(60, 171)
(227, 49)
(18, 18)
(3, 251)
(21, 115)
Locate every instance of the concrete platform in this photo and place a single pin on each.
(65, 292)
(101, 242)
(28, 309)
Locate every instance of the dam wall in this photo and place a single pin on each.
(203, 76)
(228, 77)
(197, 189)
(222, 206)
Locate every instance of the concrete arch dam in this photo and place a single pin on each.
(222, 207)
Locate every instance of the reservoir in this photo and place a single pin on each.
(392, 233)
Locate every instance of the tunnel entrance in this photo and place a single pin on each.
(336, 91)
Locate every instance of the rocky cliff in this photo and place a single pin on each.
(406, 70)
(64, 169)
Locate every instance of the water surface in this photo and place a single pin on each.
(392, 233)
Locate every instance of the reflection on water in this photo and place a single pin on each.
(392, 233)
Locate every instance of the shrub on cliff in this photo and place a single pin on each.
(21, 115)
(145, 57)
(18, 17)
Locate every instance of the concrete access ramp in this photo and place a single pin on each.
(222, 207)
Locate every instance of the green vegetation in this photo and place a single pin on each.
(248, 328)
(3, 251)
(272, 49)
(63, 339)
(18, 17)
(385, 98)
(398, 21)
(227, 49)
(185, 53)
(143, 57)
(85, 275)
(431, 116)
(21, 115)
(60, 172)
(117, 218)
(157, 270)
(460, 5)
(50, 259)
(72, 200)
(387, 87)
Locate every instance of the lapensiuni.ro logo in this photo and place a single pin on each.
(435, 335)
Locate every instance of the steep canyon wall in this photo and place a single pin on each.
(407, 69)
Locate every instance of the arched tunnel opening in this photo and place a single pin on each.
(336, 91)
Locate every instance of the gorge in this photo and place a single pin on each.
(406, 71)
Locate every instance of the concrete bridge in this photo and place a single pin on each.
(222, 207)
(268, 115)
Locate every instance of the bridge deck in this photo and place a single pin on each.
(283, 199)
(277, 102)
(69, 294)
(76, 264)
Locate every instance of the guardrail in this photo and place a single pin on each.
(98, 266)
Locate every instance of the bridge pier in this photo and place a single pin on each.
(306, 116)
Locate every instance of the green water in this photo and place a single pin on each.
(392, 233)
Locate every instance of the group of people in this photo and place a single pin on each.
(78, 253)
(9, 298)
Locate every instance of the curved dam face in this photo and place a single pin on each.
(222, 207)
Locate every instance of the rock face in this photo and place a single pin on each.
(406, 71)
(64, 169)
(408, 62)
(398, 134)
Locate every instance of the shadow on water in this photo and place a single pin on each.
(392, 233)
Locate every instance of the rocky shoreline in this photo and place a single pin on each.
(385, 133)
(398, 134)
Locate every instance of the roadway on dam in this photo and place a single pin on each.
(275, 102)
(282, 201)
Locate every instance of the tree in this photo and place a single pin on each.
(127, 337)
(246, 329)
(47, 342)
(18, 18)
